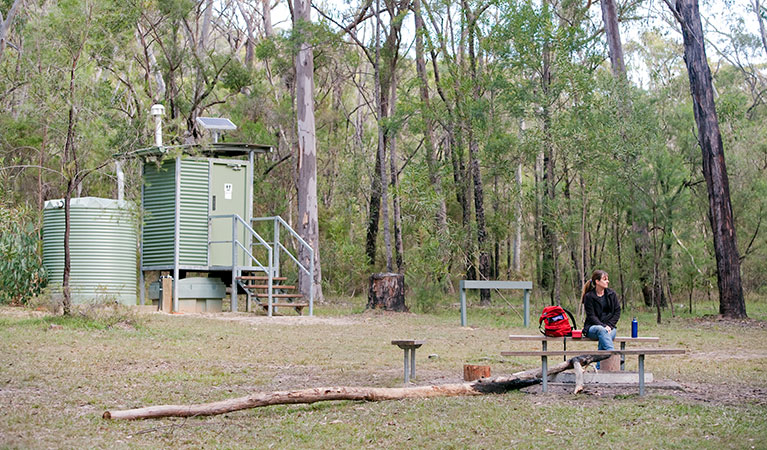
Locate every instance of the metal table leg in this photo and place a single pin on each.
(407, 369)
(641, 375)
(623, 357)
(412, 363)
(545, 373)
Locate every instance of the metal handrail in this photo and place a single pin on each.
(293, 233)
(272, 270)
(235, 267)
(310, 271)
(298, 263)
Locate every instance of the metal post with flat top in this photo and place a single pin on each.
(409, 346)
(463, 302)
(544, 370)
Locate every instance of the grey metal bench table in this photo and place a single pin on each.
(564, 339)
(640, 352)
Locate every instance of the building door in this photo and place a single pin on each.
(228, 195)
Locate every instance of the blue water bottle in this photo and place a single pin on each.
(634, 328)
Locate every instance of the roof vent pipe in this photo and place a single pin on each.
(158, 111)
(120, 180)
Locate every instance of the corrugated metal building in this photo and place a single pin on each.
(188, 201)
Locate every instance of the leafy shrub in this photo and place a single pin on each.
(21, 261)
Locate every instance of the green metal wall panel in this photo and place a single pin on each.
(103, 241)
(194, 213)
(159, 213)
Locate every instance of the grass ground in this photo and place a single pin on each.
(57, 376)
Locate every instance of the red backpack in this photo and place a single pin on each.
(555, 322)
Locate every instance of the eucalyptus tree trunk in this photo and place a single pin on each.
(550, 255)
(385, 65)
(308, 227)
(430, 142)
(515, 265)
(266, 13)
(476, 174)
(5, 25)
(199, 47)
(399, 248)
(250, 38)
(455, 137)
(70, 166)
(762, 32)
(539, 242)
(41, 165)
(379, 202)
(731, 302)
(612, 31)
(651, 288)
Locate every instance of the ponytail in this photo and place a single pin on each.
(586, 288)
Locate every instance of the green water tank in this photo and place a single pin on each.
(103, 245)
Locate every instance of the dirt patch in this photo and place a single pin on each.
(717, 394)
(23, 312)
(709, 321)
(724, 394)
(721, 355)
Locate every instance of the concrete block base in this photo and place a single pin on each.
(199, 305)
(604, 378)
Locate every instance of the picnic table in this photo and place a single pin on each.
(544, 353)
(623, 340)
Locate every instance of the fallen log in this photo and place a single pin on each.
(482, 386)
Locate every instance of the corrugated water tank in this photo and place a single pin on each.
(103, 247)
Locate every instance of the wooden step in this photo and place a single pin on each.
(285, 305)
(280, 295)
(297, 306)
(260, 278)
(265, 286)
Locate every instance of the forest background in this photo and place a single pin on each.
(502, 146)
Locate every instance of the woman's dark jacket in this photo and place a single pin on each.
(604, 310)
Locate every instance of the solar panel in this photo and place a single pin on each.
(216, 123)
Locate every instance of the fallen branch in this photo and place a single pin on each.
(578, 377)
(482, 386)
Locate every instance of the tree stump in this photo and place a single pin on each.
(387, 292)
(472, 372)
(611, 364)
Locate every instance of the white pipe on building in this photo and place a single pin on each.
(158, 111)
(120, 180)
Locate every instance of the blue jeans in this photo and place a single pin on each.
(604, 337)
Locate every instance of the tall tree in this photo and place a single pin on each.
(731, 302)
(5, 25)
(308, 225)
(473, 131)
(651, 287)
(426, 112)
(613, 33)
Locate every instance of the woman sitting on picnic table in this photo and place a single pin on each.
(602, 310)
